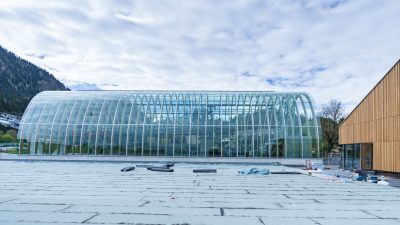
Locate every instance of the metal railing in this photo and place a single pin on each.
(9, 120)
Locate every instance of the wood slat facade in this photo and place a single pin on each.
(376, 120)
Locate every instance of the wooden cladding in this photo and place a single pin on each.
(377, 120)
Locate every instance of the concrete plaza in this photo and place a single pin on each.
(98, 193)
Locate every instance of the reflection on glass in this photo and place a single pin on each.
(171, 123)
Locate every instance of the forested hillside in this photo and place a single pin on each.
(20, 80)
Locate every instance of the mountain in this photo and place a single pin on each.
(20, 80)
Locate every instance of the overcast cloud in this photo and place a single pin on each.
(331, 49)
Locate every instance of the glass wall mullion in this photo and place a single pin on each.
(228, 119)
(237, 126)
(123, 124)
(83, 124)
(190, 122)
(159, 122)
(168, 107)
(198, 105)
(52, 124)
(97, 126)
(132, 99)
(62, 147)
(153, 119)
(174, 121)
(112, 126)
(282, 108)
(182, 121)
(144, 122)
(37, 126)
(205, 128)
(137, 120)
(300, 127)
(244, 126)
(252, 124)
(220, 118)
(306, 124)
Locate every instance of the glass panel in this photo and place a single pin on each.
(349, 155)
(366, 156)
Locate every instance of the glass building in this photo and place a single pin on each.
(171, 123)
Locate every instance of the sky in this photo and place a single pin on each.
(332, 49)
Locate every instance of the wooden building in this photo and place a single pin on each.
(370, 135)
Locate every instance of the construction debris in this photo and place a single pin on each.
(373, 179)
(158, 166)
(383, 182)
(347, 176)
(255, 171)
(286, 172)
(169, 164)
(204, 170)
(317, 166)
(126, 169)
(161, 169)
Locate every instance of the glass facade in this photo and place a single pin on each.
(351, 156)
(358, 156)
(171, 123)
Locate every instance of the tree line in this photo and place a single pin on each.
(9, 136)
(331, 115)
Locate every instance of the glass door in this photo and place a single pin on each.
(366, 156)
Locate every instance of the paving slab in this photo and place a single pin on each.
(395, 214)
(305, 213)
(44, 217)
(188, 211)
(162, 219)
(357, 221)
(32, 207)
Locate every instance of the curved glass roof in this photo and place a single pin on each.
(171, 123)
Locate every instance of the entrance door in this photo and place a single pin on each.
(366, 156)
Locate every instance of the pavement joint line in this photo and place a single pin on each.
(355, 193)
(9, 200)
(133, 213)
(286, 196)
(145, 203)
(314, 221)
(96, 214)
(61, 210)
(39, 203)
(316, 201)
(365, 211)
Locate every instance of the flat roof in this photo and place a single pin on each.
(98, 193)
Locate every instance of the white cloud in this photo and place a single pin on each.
(332, 49)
